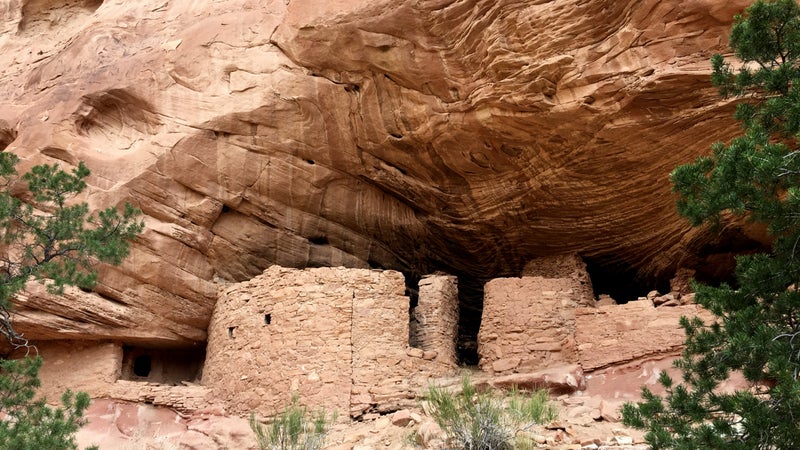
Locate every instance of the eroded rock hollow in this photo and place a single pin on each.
(464, 135)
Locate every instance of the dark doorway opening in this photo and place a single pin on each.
(142, 365)
(412, 292)
(470, 309)
(159, 365)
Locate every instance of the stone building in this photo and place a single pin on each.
(338, 338)
(434, 320)
(528, 324)
(353, 341)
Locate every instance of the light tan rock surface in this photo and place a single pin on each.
(338, 338)
(528, 323)
(470, 135)
(615, 335)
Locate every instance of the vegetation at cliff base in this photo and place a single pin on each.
(473, 420)
(54, 239)
(293, 428)
(756, 333)
(29, 423)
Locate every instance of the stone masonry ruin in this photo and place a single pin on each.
(331, 335)
(164, 366)
(528, 324)
(434, 320)
(351, 340)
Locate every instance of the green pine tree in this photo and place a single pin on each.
(757, 328)
(57, 242)
(30, 424)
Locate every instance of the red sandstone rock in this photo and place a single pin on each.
(557, 379)
(404, 417)
(399, 134)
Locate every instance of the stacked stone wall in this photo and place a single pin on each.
(336, 337)
(528, 324)
(379, 339)
(435, 318)
(563, 266)
(187, 398)
(280, 333)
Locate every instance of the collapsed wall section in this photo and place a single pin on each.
(618, 334)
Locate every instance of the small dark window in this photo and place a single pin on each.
(267, 319)
(318, 240)
(142, 365)
(230, 332)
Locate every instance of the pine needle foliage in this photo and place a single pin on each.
(51, 237)
(757, 328)
(48, 236)
(29, 424)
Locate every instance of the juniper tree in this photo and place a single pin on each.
(52, 238)
(756, 331)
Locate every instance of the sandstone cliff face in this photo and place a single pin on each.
(468, 135)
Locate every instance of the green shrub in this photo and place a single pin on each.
(473, 420)
(531, 408)
(294, 428)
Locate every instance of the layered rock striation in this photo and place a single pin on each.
(466, 135)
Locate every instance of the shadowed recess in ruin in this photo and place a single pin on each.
(412, 292)
(470, 304)
(621, 282)
(165, 366)
(716, 261)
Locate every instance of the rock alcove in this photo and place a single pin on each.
(469, 138)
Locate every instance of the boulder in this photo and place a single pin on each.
(558, 380)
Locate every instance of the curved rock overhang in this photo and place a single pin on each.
(469, 136)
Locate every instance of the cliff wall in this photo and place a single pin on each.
(463, 135)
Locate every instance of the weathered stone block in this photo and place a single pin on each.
(528, 323)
